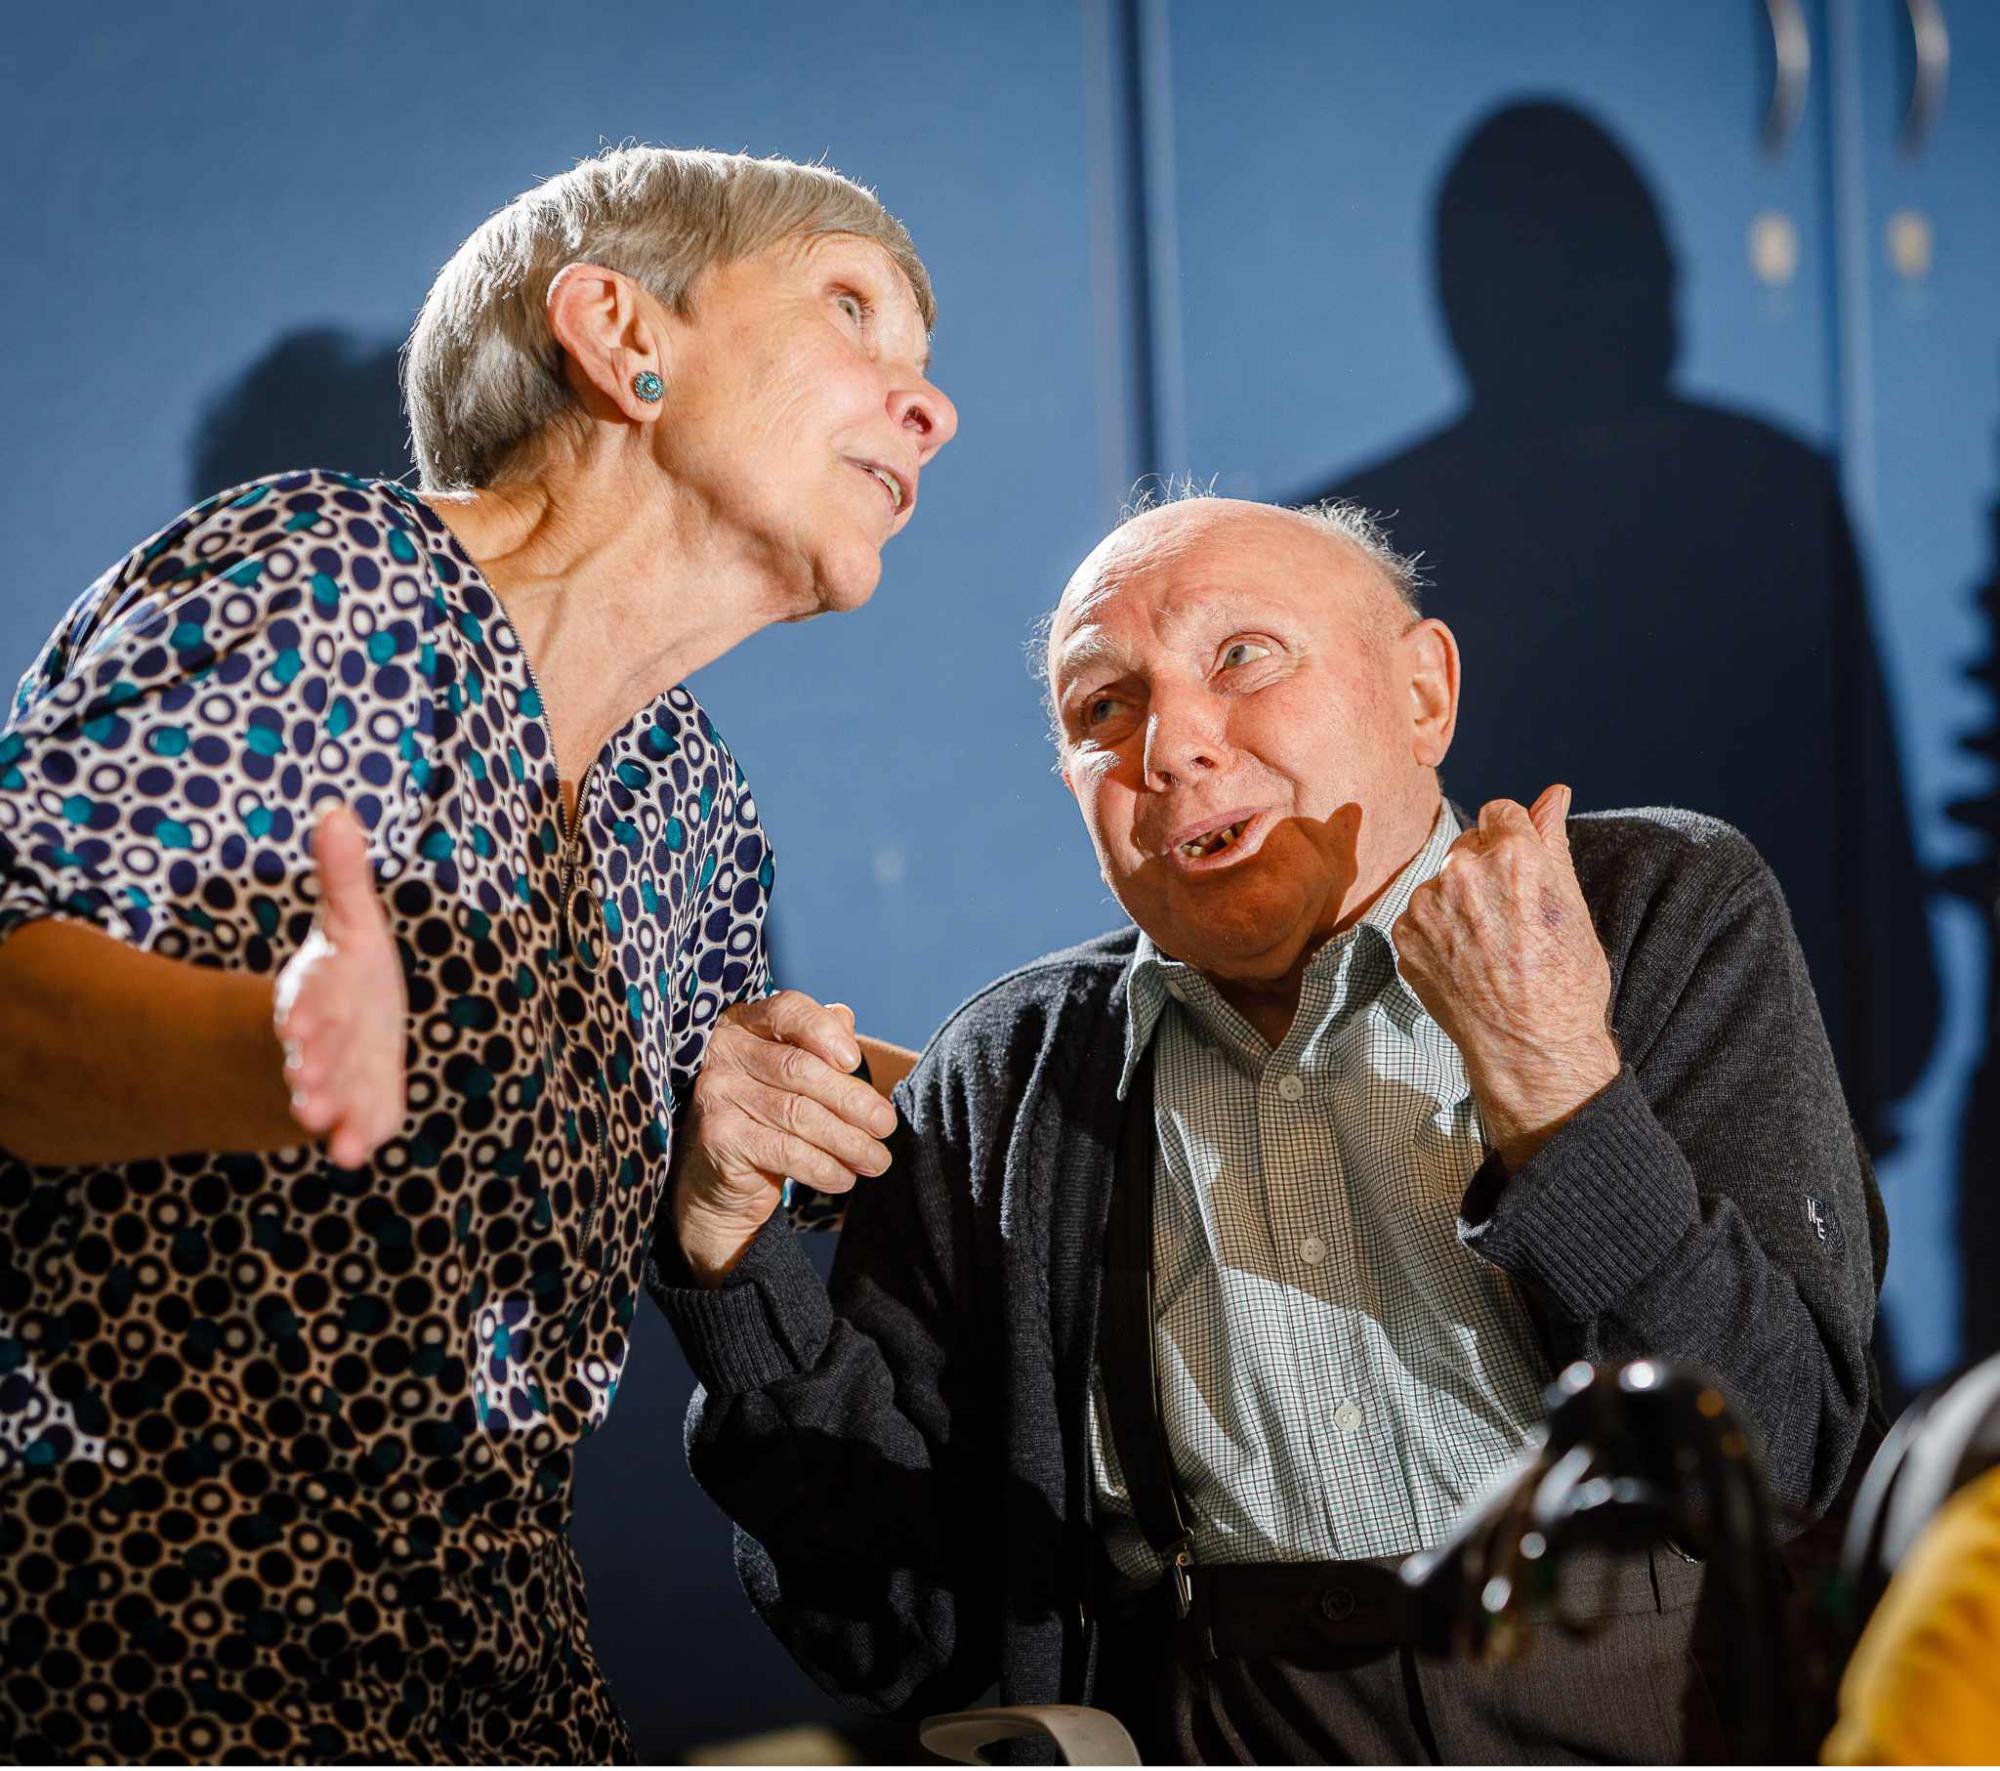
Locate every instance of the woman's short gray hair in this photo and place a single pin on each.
(482, 376)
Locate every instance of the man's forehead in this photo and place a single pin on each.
(1169, 609)
(1184, 575)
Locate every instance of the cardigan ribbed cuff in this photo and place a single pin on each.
(769, 1319)
(1593, 1212)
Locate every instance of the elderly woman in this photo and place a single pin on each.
(309, 1289)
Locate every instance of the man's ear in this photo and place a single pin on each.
(1429, 656)
(611, 332)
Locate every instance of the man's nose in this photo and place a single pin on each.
(1184, 740)
(927, 413)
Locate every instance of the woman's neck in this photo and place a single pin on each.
(617, 593)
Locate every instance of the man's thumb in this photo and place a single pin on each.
(1550, 814)
(340, 847)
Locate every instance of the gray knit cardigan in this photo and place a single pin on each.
(903, 1452)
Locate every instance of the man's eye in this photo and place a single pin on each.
(851, 305)
(1100, 708)
(1244, 652)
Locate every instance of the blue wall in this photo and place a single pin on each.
(1166, 236)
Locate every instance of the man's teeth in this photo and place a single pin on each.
(889, 480)
(1214, 842)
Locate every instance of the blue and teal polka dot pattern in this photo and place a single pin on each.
(285, 1450)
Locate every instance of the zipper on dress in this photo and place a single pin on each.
(572, 845)
(570, 832)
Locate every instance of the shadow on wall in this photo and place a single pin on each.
(1658, 600)
(1979, 881)
(318, 397)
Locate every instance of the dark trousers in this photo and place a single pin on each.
(1626, 1692)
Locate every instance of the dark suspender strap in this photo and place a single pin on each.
(1131, 1378)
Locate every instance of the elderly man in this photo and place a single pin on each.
(1380, 1119)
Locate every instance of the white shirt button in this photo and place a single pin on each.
(1347, 1416)
(1312, 1251)
(1290, 1087)
(1177, 990)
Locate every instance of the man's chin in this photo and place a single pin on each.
(1239, 943)
(1246, 964)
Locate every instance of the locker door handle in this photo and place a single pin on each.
(1932, 70)
(1791, 56)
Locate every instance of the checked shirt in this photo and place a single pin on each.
(1339, 1376)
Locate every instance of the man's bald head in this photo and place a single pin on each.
(1337, 542)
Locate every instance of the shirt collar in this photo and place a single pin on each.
(1150, 972)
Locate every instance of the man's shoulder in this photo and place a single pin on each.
(1079, 985)
(1663, 875)
(1092, 968)
(1658, 843)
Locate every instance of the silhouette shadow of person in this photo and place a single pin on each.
(1978, 880)
(1658, 600)
(318, 397)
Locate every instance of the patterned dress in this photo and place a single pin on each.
(285, 1449)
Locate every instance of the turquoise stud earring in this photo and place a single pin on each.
(648, 386)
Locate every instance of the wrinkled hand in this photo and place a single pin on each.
(776, 1098)
(340, 1010)
(1500, 950)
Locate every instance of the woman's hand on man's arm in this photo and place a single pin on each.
(887, 1064)
(111, 1054)
(777, 1098)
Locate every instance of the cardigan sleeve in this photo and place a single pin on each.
(850, 1435)
(1710, 1206)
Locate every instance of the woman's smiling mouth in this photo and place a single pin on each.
(889, 482)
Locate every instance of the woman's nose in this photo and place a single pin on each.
(926, 412)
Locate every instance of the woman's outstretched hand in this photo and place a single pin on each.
(340, 1010)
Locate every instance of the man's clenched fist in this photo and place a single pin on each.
(1500, 950)
(776, 1098)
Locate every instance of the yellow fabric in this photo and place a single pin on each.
(1924, 1685)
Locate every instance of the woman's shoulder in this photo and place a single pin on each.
(308, 512)
(292, 544)
(299, 579)
(676, 738)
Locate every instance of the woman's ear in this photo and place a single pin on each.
(1429, 657)
(613, 341)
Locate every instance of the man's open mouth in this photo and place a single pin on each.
(1213, 842)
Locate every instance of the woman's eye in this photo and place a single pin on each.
(1244, 652)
